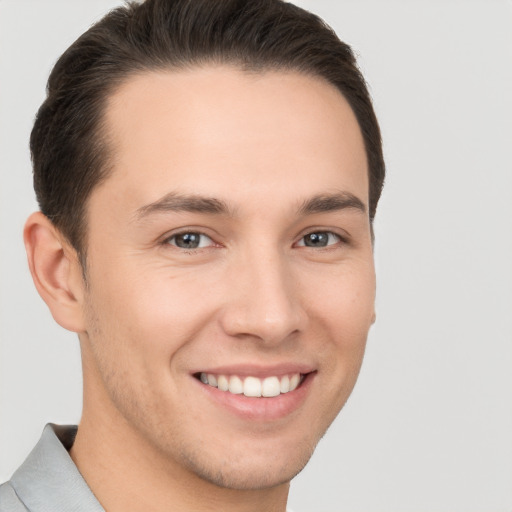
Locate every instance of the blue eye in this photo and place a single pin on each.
(319, 239)
(190, 240)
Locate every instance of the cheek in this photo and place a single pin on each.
(343, 308)
(149, 315)
(344, 299)
(136, 327)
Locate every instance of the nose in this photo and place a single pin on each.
(264, 301)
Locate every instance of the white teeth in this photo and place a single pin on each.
(271, 387)
(253, 386)
(285, 384)
(294, 381)
(222, 383)
(235, 385)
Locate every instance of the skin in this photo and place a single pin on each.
(152, 314)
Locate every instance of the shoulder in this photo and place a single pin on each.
(9, 501)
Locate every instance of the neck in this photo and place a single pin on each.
(125, 472)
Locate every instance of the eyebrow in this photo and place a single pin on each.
(331, 202)
(174, 202)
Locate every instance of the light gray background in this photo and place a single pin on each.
(429, 426)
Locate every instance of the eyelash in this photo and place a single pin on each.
(330, 235)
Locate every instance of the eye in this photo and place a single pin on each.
(190, 240)
(319, 239)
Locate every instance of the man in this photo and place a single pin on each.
(208, 173)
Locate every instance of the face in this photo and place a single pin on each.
(230, 279)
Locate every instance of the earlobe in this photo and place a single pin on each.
(56, 271)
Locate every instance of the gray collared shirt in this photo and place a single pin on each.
(48, 480)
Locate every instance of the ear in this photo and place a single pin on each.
(56, 271)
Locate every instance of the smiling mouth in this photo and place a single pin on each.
(253, 386)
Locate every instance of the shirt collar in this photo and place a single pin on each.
(48, 480)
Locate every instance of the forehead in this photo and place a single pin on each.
(199, 130)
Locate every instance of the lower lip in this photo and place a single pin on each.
(260, 408)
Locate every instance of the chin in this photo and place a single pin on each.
(261, 466)
(249, 474)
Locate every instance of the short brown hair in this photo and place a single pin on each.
(68, 144)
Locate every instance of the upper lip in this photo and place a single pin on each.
(252, 370)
